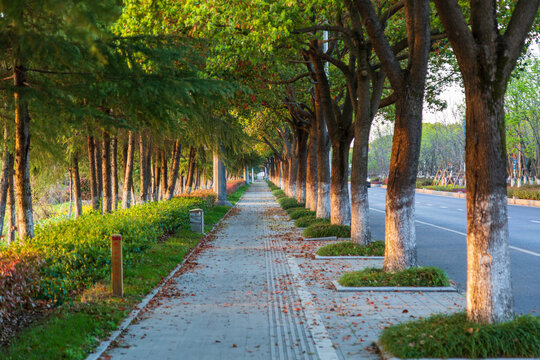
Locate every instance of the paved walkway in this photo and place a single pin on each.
(257, 293)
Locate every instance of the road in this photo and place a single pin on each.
(441, 227)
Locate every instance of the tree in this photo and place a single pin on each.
(408, 85)
(486, 56)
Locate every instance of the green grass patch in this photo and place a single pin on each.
(318, 230)
(299, 213)
(278, 192)
(287, 203)
(75, 328)
(293, 209)
(452, 336)
(347, 248)
(305, 221)
(272, 186)
(418, 276)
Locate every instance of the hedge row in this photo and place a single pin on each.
(76, 253)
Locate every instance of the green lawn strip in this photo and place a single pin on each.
(75, 328)
(347, 248)
(419, 276)
(299, 213)
(235, 196)
(305, 221)
(286, 203)
(319, 230)
(290, 210)
(452, 336)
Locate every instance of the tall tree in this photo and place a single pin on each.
(486, 54)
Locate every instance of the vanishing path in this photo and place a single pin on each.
(441, 226)
(255, 291)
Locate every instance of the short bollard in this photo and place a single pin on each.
(117, 272)
(196, 219)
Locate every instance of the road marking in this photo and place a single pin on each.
(459, 209)
(444, 207)
(534, 221)
(464, 234)
(430, 204)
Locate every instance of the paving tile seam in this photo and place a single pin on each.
(280, 319)
(302, 330)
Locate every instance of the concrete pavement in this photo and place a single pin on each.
(256, 292)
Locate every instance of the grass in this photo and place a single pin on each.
(528, 192)
(293, 209)
(74, 329)
(318, 230)
(418, 276)
(299, 213)
(305, 221)
(347, 248)
(278, 193)
(452, 336)
(287, 203)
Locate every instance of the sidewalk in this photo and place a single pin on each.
(257, 293)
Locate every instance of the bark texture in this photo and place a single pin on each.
(486, 59)
(23, 199)
(92, 169)
(106, 172)
(175, 166)
(128, 173)
(76, 183)
(4, 178)
(114, 172)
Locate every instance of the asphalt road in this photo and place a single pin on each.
(441, 226)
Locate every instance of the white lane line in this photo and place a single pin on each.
(314, 322)
(534, 221)
(444, 207)
(430, 204)
(459, 209)
(464, 234)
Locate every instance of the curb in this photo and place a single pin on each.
(328, 238)
(105, 344)
(351, 257)
(340, 288)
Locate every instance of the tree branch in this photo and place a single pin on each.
(514, 37)
(290, 81)
(389, 62)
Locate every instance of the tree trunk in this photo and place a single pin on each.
(143, 170)
(323, 163)
(76, 183)
(302, 167)
(92, 169)
(489, 287)
(4, 181)
(173, 174)
(128, 174)
(163, 174)
(311, 169)
(99, 167)
(191, 170)
(339, 187)
(220, 180)
(292, 172)
(400, 232)
(25, 215)
(106, 172)
(12, 220)
(114, 171)
(157, 174)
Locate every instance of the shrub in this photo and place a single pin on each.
(419, 276)
(19, 284)
(271, 185)
(347, 248)
(305, 221)
(233, 185)
(293, 209)
(452, 336)
(299, 213)
(450, 188)
(325, 230)
(527, 192)
(278, 192)
(287, 203)
(423, 182)
(76, 253)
